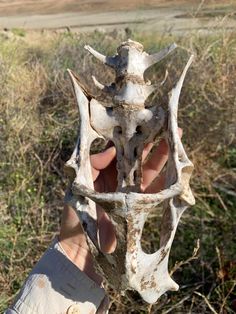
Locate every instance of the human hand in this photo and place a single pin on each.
(72, 238)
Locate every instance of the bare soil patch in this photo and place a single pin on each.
(17, 7)
(179, 16)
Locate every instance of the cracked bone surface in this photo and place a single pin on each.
(130, 125)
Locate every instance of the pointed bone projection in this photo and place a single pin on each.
(130, 125)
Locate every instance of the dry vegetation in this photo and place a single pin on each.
(38, 125)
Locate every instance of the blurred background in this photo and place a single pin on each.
(39, 122)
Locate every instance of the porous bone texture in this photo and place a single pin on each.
(130, 125)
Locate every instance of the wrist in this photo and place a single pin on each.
(74, 245)
(81, 257)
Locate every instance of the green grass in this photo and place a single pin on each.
(19, 32)
(39, 123)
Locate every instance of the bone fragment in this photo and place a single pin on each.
(130, 124)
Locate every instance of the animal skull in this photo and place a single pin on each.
(130, 125)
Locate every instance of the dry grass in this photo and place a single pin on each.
(39, 122)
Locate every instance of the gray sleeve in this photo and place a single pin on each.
(56, 286)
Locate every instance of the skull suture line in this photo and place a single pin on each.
(129, 125)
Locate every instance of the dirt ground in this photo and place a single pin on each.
(179, 16)
(16, 7)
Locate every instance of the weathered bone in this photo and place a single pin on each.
(130, 125)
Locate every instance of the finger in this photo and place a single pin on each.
(102, 160)
(95, 173)
(106, 232)
(155, 164)
(156, 185)
(146, 150)
(99, 183)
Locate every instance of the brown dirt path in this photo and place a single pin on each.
(144, 15)
(19, 7)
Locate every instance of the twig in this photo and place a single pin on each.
(192, 303)
(193, 257)
(17, 260)
(222, 202)
(207, 302)
(199, 8)
(177, 304)
(223, 189)
(226, 297)
(150, 309)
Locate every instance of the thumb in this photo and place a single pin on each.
(102, 160)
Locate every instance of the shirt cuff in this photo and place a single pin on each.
(55, 286)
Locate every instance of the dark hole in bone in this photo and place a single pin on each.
(150, 240)
(139, 130)
(135, 176)
(135, 152)
(118, 130)
(122, 150)
(109, 111)
(181, 157)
